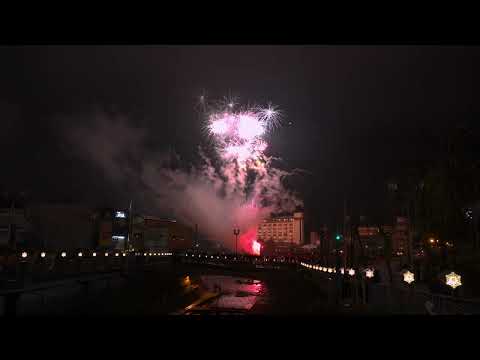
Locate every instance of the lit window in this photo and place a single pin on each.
(120, 214)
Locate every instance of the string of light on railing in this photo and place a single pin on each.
(63, 254)
(331, 270)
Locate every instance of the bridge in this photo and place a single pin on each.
(39, 272)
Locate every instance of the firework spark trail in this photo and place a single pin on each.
(239, 186)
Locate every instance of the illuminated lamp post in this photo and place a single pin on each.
(369, 274)
(409, 278)
(236, 232)
(453, 280)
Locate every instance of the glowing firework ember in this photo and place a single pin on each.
(256, 247)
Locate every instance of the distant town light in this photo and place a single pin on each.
(330, 270)
(42, 254)
(106, 254)
(351, 272)
(80, 254)
(123, 254)
(342, 271)
(453, 280)
(64, 254)
(116, 254)
(94, 254)
(408, 277)
(144, 254)
(24, 254)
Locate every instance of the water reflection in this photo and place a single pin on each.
(231, 293)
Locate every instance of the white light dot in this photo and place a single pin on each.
(42, 254)
(24, 254)
(94, 254)
(64, 254)
(80, 254)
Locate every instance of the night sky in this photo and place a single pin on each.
(359, 114)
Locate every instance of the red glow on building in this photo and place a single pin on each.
(247, 242)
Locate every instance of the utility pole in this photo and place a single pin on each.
(12, 227)
(196, 235)
(410, 236)
(130, 225)
(345, 246)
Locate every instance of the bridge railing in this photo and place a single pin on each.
(25, 268)
(401, 298)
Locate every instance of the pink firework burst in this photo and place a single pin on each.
(219, 126)
(239, 134)
(249, 127)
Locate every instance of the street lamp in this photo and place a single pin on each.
(408, 277)
(369, 273)
(351, 272)
(236, 232)
(453, 280)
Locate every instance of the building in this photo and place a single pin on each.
(400, 236)
(314, 238)
(150, 232)
(61, 227)
(283, 229)
(14, 227)
(112, 226)
(371, 240)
